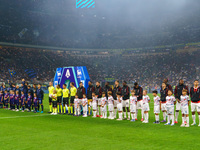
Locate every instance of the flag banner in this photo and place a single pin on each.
(21, 34)
(31, 73)
(57, 76)
(11, 72)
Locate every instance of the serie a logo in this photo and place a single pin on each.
(67, 73)
(85, 3)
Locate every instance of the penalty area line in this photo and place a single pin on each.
(23, 116)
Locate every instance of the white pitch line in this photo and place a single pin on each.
(23, 116)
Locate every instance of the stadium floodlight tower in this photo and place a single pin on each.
(66, 75)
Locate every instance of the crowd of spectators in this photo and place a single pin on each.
(147, 69)
(61, 25)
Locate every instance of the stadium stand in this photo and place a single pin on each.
(146, 68)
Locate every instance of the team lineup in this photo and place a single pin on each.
(107, 102)
(127, 103)
(22, 98)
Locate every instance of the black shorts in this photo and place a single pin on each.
(72, 99)
(50, 99)
(66, 100)
(54, 103)
(59, 99)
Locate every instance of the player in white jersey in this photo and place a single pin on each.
(163, 95)
(104, 105)
(195, 101)
(110, 105)
(84, 105)
(94, 104)
(170, 102)
(119, 105)
(156, 106)
(184, 100)
(76, 105)
(145, 106)
(133, 103)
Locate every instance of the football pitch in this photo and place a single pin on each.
(27, 131)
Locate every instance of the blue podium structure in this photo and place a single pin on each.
(66, 75)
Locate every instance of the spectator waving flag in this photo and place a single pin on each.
(11, 72)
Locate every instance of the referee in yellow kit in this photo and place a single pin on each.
(73, 91)
(50, 89)
(65, 97)
(59, 98)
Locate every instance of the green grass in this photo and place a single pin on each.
(63, 132)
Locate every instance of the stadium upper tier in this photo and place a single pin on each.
(49, 23)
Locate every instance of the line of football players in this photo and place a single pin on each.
(22, 98)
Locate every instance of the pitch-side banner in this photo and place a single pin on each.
(57, 76)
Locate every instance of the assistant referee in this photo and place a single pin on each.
(73, 91)
(50, 89)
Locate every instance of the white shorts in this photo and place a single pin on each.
(145, 107)
(110, 107)
(178, 106)
(75, 106)
(139, 105)
(115, 103)
(185, 110)
(99, 101)
(125, 103)
(94, 106)
(170, 109)
(76, 109)
(163, 107)
(80, 101)
(133, 108)
(195, 107)
(104, 109)
(119, 107)
(156, 109)
(85, 108)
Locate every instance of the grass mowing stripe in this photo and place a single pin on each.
(23, 116)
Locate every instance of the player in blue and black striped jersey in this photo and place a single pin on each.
(1, 99)
(18, 89)
(22, 100)
(4, 89)
(40, 96)
(34, 91)
(17, 98)
(31, 91)
(12, 100)
(29, 101)
(35, 101)
(6, 98)
(24, 89)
